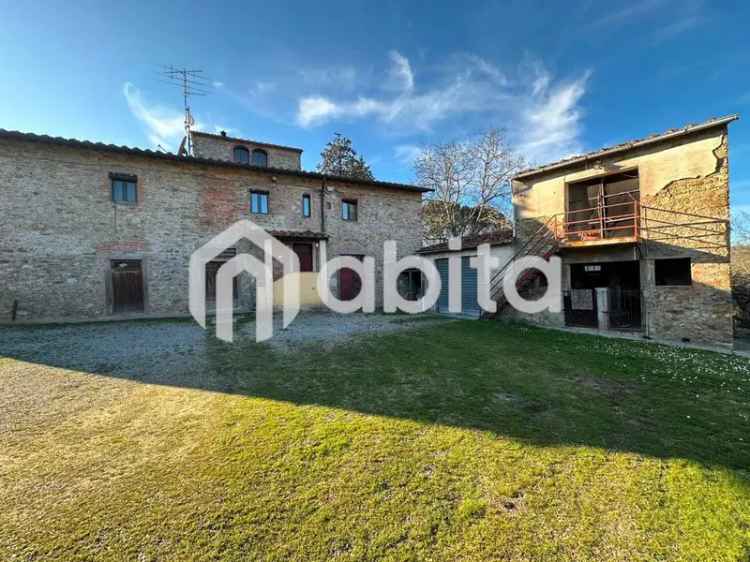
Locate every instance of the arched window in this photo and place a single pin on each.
(241, 155)
(260, 157)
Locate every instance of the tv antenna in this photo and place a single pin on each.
(192, 83)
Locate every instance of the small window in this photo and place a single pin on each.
(241, 155)
(124, 189)
(672, 272)
(259, 202)
(260, 158)
(306, 205)
(349, 210)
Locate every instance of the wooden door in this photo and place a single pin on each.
(127, 286)
(305, 253)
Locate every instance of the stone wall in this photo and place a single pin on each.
(704, 310)
(217, 147)
(60, 229)
(683, 181)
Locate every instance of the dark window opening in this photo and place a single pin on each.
(260, 158)
(124, 189)
(241, 155)
(410, 284)
(674, 271)
(306, 205)
(259, 202)
(349, 210)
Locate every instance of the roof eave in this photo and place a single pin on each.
(627, 146)
(88, 145)
(247, 141)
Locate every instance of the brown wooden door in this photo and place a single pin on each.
(127, 286)
(305, 253)
(349, 283)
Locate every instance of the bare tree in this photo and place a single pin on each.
(740, 228)
(471, 183)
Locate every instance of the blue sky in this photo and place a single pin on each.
(393, 76)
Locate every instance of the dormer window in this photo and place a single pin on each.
(260, 158)
(241, 155)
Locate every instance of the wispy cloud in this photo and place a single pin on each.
(551, 124)
(407, 153)
(164, 126)
(676, 28)
(467, 91)
(631, 12)
(545, 112)
(339, 77)
(401, 74)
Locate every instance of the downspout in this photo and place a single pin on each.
(323, 187)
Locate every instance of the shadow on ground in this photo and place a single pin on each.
(540, 386)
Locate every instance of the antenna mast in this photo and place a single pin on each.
(192, 83)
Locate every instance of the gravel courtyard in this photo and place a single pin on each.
(176, 345)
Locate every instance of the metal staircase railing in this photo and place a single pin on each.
(543, 243)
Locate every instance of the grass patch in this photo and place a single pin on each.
(457, 440)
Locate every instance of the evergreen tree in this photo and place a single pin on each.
(340, 159)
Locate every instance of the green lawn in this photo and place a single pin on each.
(458, 441)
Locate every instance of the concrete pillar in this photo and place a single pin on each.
(602, 307)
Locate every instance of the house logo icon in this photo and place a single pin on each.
(262, 272)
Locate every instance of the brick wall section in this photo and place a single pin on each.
(218, 148)
(60, 229)
(702, 311)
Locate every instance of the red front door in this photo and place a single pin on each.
(305, 253)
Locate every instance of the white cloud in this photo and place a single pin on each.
(551, 124)
(466, 91)
(543, 115)
(164, 126)
(401, 74)
(218, 84)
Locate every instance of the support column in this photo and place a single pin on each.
(602, 307)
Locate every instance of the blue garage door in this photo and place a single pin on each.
(468, 288)
(469, 303)
(442, 267)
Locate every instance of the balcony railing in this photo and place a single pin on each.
(615, 217)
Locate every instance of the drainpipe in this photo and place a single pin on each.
(323, 187)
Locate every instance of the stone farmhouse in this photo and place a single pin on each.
(642, 229)
(93, 231)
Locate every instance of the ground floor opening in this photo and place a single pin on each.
(604, 295)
